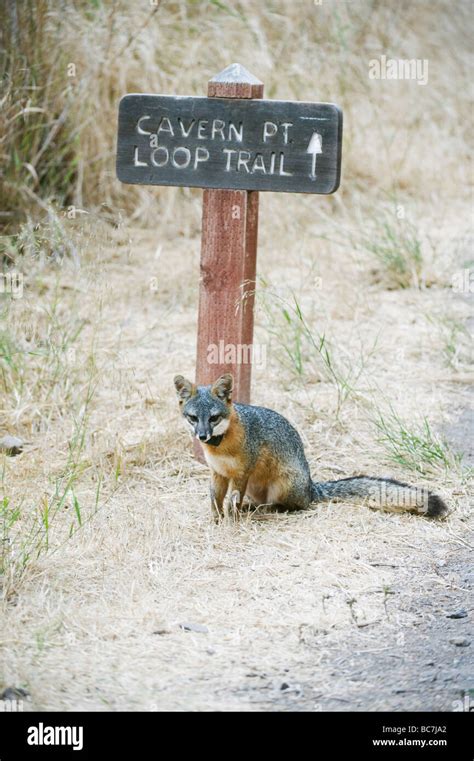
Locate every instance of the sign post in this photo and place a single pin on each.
(228, 264)
(233, 144)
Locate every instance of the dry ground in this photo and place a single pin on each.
(107, 544)
(326, 602)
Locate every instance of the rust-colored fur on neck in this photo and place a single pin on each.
(230, 454)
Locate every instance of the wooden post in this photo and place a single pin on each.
(241, 144)
(228, 262)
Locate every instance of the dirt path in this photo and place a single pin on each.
(260, 636)
(430, 667)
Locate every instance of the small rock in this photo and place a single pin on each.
(199, 628)
(11, 445)
(459, 614)
(460, 641)
(14, 693)
(284, 686)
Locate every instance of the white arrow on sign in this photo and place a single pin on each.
(314, 147)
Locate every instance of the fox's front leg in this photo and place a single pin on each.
(219, 486)
(238, 487)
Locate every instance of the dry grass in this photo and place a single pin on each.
(300, 50)
(107, 543)
(82, 621)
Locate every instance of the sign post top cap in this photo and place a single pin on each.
(236, 73)
(235, 81)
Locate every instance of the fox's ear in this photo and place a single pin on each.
(223, 386)
(184, 388)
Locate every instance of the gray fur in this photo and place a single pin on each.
(267, 428)
(264, 426)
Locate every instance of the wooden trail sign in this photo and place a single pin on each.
(229, 143)
(232, 144)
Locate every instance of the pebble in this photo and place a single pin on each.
(199, 628)
(459, 614)
(11, 445)
(460, 642)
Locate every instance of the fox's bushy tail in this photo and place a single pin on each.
(382, 492)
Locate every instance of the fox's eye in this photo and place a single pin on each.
(214, 418)
(192, 418)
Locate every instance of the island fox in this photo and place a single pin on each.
(255, 452)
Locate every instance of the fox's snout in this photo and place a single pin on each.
(203, 430)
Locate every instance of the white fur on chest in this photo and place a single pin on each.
(225, 465)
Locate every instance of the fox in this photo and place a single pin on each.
(255, 452)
